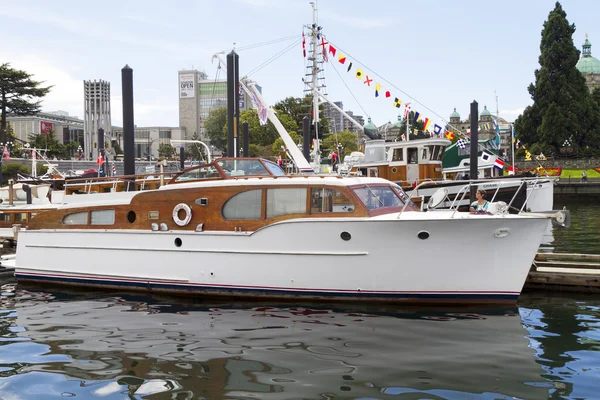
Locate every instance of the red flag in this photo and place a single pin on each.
(303, 44)
(332, 50)
(342, 58)
(387, 94)
(323, 49)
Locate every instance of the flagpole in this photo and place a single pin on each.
(514, 139)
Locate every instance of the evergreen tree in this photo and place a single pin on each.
(18, 95)
(415, 127)
(562, 106)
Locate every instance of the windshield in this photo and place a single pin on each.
(374, 197)
(243, 167)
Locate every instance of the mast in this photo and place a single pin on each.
(314, 33)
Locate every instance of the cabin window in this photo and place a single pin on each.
(4, 217)
(398, 155)
(274, 169)
(78, 218)
(413, 155)
(329, 200)
(244, 205)
(286, 201)
(199, 173)
(374, 197)
(424, 156)
(243, 167)
(20, 217)
(436, 152)
(103, 217)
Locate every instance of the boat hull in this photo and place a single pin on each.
(465, 259)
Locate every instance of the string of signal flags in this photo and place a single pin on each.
(332, 53)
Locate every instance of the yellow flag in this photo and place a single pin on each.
(359, 73)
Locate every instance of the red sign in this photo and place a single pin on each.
(45, 127)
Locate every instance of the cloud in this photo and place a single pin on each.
(89, 27)
(67, 91)
(510, 115)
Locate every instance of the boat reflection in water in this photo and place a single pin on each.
(86, 346)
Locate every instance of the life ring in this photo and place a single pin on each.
(188, 214)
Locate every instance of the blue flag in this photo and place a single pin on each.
(497, 134)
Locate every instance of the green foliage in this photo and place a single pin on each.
(11, 169)
(414, 125)
(165, 151)
(348, 140)
(51, 145)
(216, 127)
(278, 144)
(18, 94)
(195, 150)
(298, 108)
(596, 95)
(562, 106)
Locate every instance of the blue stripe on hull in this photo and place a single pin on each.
(488, 298)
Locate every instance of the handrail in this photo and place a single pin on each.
(463, 190)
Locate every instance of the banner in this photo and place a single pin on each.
(186, 86)
(45, 127)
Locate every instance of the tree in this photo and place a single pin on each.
(414, 125)
(18, 95)
(165, 151)
(596, 95)
(562, 106)
(216, 127)
(47, 143)
(346, 139)
(298, 108)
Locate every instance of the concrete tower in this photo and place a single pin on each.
(96, 100)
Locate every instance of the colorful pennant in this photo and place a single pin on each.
(359, 73)
(397, 102)
(377, 89)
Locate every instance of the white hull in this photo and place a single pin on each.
(461, 261)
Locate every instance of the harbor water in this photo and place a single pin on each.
(58, 343)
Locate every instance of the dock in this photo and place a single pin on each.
(565, 272)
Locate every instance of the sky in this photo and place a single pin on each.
(436, 54)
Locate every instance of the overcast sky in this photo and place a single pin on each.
(436, 54)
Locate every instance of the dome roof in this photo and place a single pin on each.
(454, 114)
(485, 112)
(588, 64)
(398, 123)
(370, 126)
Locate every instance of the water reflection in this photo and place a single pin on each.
(564, 332)
(583, 234)
(57, 344)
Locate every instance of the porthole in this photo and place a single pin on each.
(423, 235)
(346, 236)
(394, 170)
(178, 242)
(131, 217)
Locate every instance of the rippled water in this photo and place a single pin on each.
(57, 344)
(583, 236)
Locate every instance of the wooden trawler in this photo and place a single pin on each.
(242, 227)
(406, 162)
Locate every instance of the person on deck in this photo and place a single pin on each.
(481, 204)
(334, 160)
(584, 176)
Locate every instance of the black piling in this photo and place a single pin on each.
(306, 137)
(128, 124)
(245, 139)
(233, 106)
(182, 158)
(474, 144)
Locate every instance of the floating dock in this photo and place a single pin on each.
(565, 272)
